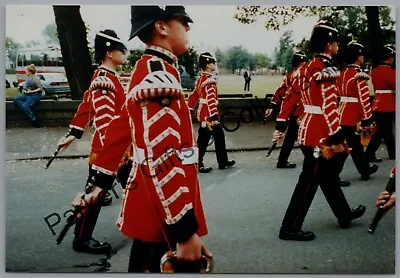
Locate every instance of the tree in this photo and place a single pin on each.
(134, 55)
(221, 58)
(237, 58)
(262, 60)
(285, 51)
(32, 43)
(50, 34)
(12, 48)
(74, 48)
(366, 24)
(189, 61)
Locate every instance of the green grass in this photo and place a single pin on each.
(260, 84)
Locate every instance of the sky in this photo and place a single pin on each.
(214, 26)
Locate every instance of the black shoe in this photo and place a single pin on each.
(286, 165)
(344, 183)
(228, 163)
(372, 169)
(91, 246)
(344, 222)
(375, 159)
(107, 200)
(204, 169)
(299, 236)
(36, 123)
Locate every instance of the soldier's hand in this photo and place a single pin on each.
(84, 201)
(385, 200)
(192, 249)
(268, 113)
(338, 148)
(209, 125)
(278, 136)
(64, 142)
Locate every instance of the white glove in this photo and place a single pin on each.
(64, 142)
(268, 113)
(278, 136)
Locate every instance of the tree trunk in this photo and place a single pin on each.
(74, 48)
(374, 32)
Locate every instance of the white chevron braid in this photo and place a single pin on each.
(102, 83)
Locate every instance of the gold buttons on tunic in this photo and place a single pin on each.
(165, 102)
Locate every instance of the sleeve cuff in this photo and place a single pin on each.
(337, 138)
(182, 230)
(75, 132)
(366, 122)
(103, 181)
(213, 118)
(272, 105)
(281, 126)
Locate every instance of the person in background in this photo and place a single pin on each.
(32, 93)
(247, 79)
(206, 94)
(319, 130)
(280, 98)
(101, 103)
(383, 79)
(355, 107)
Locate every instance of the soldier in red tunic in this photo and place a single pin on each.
(384, 106)
(161, 208)
(280, 97)
(319, 122)
(101, 103)
(206, 94)
(354, 106)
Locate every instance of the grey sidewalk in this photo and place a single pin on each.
(30, 143)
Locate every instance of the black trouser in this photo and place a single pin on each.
(384, 122)
(84, 227)
(247, 84)
(290, 137)
(357, 150)
(219, 140)
(146, 256)
(316, 171)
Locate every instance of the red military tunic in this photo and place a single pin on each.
(101, 103)
(162, 197)
(384, 81)
(289, 93)
(206, 93)
(317, 83)
(354, 96)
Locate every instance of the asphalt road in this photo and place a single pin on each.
(244, 207)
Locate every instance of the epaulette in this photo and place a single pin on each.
(361, 75)
(208, 81)
(329, 73)
(102, 82)
(156, 84)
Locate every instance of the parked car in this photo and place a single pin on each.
(187, 81)
(54, 83)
